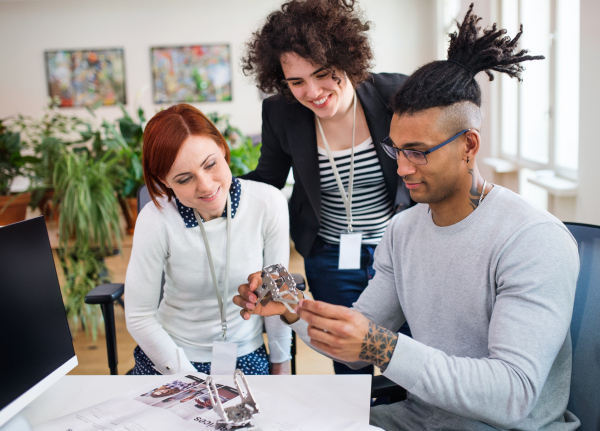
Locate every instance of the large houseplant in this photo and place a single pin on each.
(47, 136)
(126, 141)
(12, 164)
(88, 226)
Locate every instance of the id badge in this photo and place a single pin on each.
(350, 243)
(224, 358)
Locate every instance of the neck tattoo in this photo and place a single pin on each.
(472, 200)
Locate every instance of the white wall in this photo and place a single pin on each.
(403, 38)
(588, 197)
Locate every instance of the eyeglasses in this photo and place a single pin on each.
(416, 157)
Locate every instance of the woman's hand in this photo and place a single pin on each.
(283, 369)
(246, 300)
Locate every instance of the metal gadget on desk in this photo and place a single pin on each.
(238, 417)
(270, 289)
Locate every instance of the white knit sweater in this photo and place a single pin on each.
(184, 326)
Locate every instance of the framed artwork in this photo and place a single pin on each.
(86, 77)
(197, 73)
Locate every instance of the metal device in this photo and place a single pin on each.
(238, 417)
(271, 288)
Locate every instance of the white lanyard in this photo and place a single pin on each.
(221, 299)
(347, 199)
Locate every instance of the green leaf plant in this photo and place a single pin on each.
(244, 153)
(46, 136)
(126, 142)
(89, 227)
(12, 162)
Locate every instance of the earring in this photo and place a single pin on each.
(467, 160)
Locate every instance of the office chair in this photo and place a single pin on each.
(106, 294)
(584, 399)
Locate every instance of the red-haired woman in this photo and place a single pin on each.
(206, 231)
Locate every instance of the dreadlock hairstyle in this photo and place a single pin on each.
(444, 83)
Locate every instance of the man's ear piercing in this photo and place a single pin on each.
(467, 160)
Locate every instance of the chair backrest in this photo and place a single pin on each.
(143, 197)
(584, 400)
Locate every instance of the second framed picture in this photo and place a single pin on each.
(195, 73)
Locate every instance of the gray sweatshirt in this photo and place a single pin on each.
(489, 302)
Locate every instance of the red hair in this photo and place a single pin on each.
(164, 135)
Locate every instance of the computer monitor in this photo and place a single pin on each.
(36, 343)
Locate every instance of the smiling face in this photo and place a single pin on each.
(200, 177)
(314, 86)
(444, 176)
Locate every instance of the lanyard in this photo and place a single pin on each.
(347, 199)
(221, 299)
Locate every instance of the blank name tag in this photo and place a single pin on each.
(350, 250)
(224, 358)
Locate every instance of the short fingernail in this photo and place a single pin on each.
(250, 306)
(252, 298)
(300, 302)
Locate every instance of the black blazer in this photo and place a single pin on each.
(289, 138)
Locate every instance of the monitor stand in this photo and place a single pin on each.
(17, 423)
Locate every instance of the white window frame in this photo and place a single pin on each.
(518, 160)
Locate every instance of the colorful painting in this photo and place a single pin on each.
(86, 77)
(199, 73)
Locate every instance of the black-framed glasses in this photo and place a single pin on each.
(416, 157)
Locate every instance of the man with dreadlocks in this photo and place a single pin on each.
(486, 280)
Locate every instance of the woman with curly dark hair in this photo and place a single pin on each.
(325, 116)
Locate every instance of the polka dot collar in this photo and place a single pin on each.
(187, 214)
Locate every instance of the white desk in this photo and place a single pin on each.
(344, 396)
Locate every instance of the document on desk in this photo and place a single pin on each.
(182, 402)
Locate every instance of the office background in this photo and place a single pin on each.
(405, 35)
(539, 138)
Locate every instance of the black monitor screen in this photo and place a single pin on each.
(34, 335)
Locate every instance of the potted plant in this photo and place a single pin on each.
(132, 132)
(46, 136)
(13, 207)
(88, 226)
(126, 142)
(244, 152)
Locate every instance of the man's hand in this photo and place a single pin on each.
(246, 300)
(346, 334)
(282, 369)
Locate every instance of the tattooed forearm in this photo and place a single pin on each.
(378, 346)
(474, 198)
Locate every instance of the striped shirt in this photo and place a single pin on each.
(372, 208)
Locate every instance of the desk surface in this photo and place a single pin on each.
(347, 396)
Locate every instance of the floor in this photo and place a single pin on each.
(92, 354)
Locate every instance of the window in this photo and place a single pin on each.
(539, 116)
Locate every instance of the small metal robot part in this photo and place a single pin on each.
(270, 289)
(237, 417)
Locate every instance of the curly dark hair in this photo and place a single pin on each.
(328, 33)
(444, 83)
